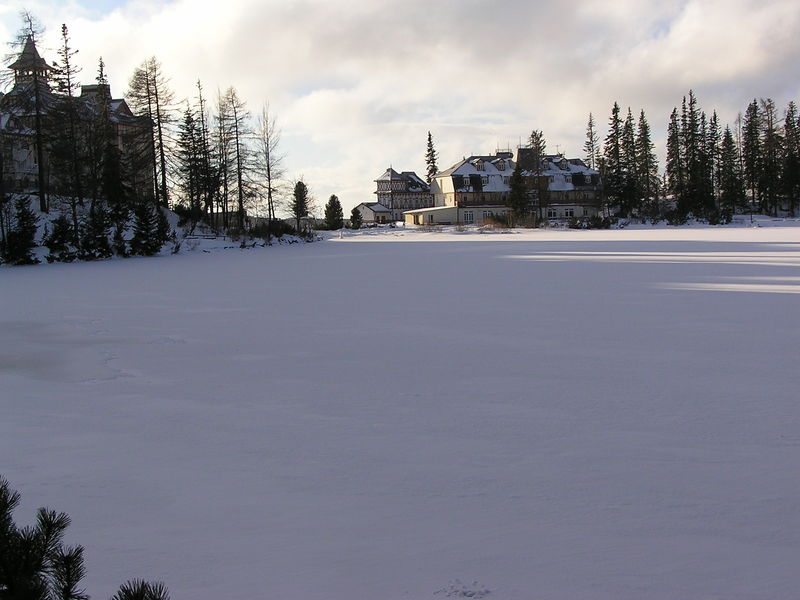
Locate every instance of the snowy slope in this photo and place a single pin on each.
(399, 414)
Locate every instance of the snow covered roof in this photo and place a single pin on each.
(428, 210)
(414, 183)
(481, 165)
(375, 207)
(390, 175)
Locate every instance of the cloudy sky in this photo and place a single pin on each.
(356, 86)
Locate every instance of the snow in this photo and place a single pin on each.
(558, 414)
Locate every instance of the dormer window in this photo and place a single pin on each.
(501, 165)
(479, 165)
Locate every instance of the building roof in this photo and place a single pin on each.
(492, 165)
(414, 183)
(481, 173)
(29, 59)
(375, 207)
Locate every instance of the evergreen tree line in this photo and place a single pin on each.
(35, 564)
(710, 172)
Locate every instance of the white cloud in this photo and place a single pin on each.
(357, 87)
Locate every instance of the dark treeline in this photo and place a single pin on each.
(104, 169)
(711, 172)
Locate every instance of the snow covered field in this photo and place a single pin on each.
(415, 415)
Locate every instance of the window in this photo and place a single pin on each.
(430, 218)
(501, 165)
(479, 165)
(487, 214)
(485, 179)
(585, 212)
(506, 180)
(551, 213)
(569, 212)
(468, 216)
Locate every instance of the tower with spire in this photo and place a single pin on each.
(29, 66)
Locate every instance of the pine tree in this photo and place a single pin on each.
(751, 151)
(705, 177)
(334, 217)
(430, 160)
(613, 174)
(36, 565)
(112, 176)
(60, 241)
(538, 145)
(790, 176)
(713, 150)
(209, 180)
(118, 241)
(692, 200)
(188, 159)
(355, 218)
(731, 192)
(21, 238)
(65, 155)
(299, 203)
(675, 171)
(148, 231)
(629, 196)
(592, 145)
(771, 153)
(646, 168)
(94, 245)
(517, 196)
(35, 562)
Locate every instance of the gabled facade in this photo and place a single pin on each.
(475, 181)
(374, 212)
(471, 192)
(561, 188)
(399, 192)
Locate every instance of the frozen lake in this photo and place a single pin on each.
(412, 415)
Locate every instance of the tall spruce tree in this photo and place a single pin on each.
(65, 154)
(430, 160)
(112, 170)
(95, 245)
(209, 181)
(790, 176)
(646, 168)
(713, 141)
(629, 193)
(355, 218)
(591, 147)
(771, 157)
(299, 202)
(675, 173)
(731, 192)
(518, 200)
(613, 167)
(21, 238)
(751, 152)
(189, 165)
(334, 217)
